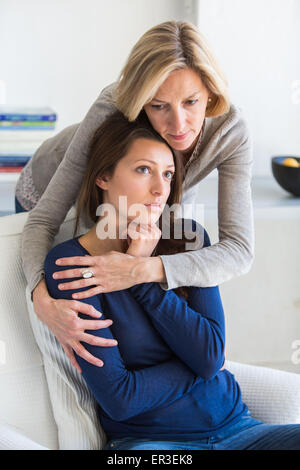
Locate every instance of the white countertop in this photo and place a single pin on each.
(266, 192)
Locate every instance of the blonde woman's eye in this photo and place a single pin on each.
(141, 169)
(191, 102)
(157, 107)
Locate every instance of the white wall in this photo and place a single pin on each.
(257, 43)
(262, 307)
(63, 52)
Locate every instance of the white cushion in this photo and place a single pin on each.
(272, 396)
(65, 418)
(73, 404)
(25, 399)
(12, 438)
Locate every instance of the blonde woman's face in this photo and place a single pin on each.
(178, 109)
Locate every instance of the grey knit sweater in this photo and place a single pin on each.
(225, 145)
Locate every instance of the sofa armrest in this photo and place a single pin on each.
(272, 396)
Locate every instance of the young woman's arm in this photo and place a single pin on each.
(195, 332)
(121, 393)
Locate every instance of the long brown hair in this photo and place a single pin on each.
(109, 145)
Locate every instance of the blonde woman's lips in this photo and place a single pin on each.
(179, 137)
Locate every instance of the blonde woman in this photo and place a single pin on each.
(171, 77)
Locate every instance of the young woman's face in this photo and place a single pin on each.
(144, 176)
(178, 109)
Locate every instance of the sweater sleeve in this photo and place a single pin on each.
(123, 393)
(45, 219)
(233, 254)
(196, 335)
(194, 330)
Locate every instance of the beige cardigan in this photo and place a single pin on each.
(225, 145)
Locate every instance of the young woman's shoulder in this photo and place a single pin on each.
(195, 232)
(63, 250)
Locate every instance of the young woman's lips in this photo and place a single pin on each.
(179, 137)
(154, 207)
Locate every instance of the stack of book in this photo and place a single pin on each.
(22, 131)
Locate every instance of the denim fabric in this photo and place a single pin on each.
(247, 434)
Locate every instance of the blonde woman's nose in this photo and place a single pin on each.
(177, 121)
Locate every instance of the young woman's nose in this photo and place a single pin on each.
(157, 186)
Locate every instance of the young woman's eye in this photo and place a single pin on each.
(143, 169)
(169, 175)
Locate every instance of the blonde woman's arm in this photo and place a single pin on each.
(43, 224)
(61, 193)
(234, 253)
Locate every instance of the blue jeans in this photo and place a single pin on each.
(247, 434)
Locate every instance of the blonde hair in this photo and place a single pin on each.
(167, 47)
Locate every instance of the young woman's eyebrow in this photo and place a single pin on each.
(188, 98)
(155, 163)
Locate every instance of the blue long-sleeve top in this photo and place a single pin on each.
(163, 379)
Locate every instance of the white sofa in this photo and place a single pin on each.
(26, 411)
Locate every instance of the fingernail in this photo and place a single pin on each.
(57, 261)
(61, 286)
(114, 342)
(55, 276)
(100, 364)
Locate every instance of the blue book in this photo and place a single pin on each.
(20, 127)
(13, 164)
(14, 160)
(10, 113)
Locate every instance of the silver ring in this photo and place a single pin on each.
(87, 274)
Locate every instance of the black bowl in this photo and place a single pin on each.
(288, 177)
